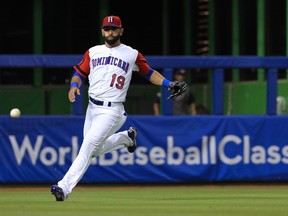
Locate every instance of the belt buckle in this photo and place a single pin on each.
(107, 103)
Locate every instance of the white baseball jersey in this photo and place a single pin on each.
(109, 70)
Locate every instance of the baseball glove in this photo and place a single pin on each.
(177, 88)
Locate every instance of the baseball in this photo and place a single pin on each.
(15, 113)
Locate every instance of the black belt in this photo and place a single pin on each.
(99, 103)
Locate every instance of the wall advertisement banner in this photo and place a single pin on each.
(170, 149)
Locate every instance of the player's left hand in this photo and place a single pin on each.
(177, 88)
(72, 94)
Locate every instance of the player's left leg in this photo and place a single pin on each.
(119, 140)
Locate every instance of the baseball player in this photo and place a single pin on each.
(109, 69)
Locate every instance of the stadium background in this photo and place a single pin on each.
(227, 34)
(182, 28)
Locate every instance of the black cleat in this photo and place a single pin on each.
(58, 193)
(132, 133)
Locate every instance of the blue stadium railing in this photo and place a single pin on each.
(216, 63)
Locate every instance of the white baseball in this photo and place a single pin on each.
(15, 113)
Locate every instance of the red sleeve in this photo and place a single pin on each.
(83, 68)
(142, 64)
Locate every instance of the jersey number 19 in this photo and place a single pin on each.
(120, 80)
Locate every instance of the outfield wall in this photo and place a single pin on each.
(172, 149)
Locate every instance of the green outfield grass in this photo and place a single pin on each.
(148, 201)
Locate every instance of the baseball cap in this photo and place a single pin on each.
(112, 21)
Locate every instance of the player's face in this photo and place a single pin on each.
(112, 35)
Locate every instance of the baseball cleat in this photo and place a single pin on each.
(58, 193)
(132, 133)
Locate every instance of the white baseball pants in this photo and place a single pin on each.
(100, 137)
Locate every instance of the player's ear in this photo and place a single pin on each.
(102, 32)
(122, 31)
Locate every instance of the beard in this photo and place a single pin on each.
(113, 40)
